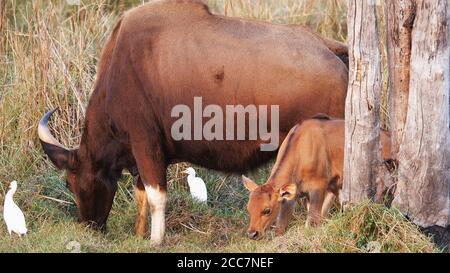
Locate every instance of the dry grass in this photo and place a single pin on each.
(48, 57)
(328, 17)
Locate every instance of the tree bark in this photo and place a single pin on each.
(424, 158)
(362, 159)
(400, 19)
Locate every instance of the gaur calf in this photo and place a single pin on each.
(310, 161)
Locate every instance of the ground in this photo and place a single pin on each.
(219, 226)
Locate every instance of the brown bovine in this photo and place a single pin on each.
(311, 161)
(165, 53)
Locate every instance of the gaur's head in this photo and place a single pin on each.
(264, 205)
(92, 183)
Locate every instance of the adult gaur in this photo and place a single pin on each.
(164, 54)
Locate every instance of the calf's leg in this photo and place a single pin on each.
(316, 198)
(327, 203)
(285, 214)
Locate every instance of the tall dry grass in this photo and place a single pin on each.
(48, 52)
(327, 17)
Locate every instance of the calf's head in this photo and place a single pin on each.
(264, 205)
(92, 186)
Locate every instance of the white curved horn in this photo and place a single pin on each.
(44, 133)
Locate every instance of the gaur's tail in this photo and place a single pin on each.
(338, 48)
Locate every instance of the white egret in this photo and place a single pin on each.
(196, 186)
(14, 218)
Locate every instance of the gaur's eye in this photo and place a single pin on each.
(266, 211)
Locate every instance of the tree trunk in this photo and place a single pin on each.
(362, 160)
(424, 158)
(400, 19)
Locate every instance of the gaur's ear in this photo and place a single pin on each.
(249, 184)
(288, 191)
(62, 158)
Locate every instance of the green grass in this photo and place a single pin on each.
(218, 226)
(48, 56)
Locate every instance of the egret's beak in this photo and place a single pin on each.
(186, 172)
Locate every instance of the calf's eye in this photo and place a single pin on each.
(266, 211)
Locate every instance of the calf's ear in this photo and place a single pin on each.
(249, 184)
(288, 191)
